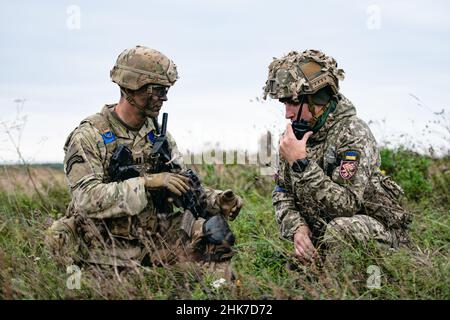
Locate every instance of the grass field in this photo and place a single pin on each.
(27, 270)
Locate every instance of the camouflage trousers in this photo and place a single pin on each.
(356, 229)
(77, 240)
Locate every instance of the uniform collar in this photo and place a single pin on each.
(344, 109)
(321, 135)
(121, 131)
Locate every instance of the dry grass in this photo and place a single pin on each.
(28, 271)
(15, 179)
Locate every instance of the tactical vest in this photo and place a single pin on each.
(108, 141)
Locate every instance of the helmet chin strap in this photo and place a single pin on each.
(312, 109)
(300, 126)
(133, 102)
(299, 114)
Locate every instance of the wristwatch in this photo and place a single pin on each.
(300, 165)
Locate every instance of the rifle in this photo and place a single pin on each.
(121, 168)
(194, 199)
(160, 156)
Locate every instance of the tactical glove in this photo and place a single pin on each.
(230, 204)
(175, 183)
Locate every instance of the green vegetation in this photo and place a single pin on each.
(27, 270)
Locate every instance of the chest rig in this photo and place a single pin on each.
(111, 136)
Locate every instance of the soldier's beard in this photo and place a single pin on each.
(151, 108)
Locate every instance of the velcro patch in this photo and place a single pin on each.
(351, 155)
(348, 169)
(151, 136)
(279, 189)
(108, 137)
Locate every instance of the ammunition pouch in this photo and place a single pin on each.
(121, 166)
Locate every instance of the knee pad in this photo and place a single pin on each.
(217, 231)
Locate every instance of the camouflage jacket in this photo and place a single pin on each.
(342, 179)
(123, 206)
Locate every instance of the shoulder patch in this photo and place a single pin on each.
(351, 155)
(279, 189)
(108, 137)
(151, 136)
(349, 163)
(348, 169)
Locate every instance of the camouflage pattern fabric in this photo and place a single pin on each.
(116, 222)
(358, 228)
(139, 66)
(302, 73)
(343, 179)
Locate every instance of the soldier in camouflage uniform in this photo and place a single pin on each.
(116, 222)
(329, 187)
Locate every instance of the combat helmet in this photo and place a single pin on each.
(306, 73)
(141, 65)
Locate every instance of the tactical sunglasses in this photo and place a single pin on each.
(158, 91)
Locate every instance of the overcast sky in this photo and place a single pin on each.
(57, 56)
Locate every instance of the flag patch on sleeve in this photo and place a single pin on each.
(349, 164)
(351, 156)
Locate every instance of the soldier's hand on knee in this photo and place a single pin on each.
(230, 204)
(304, 248)
(175, 183)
